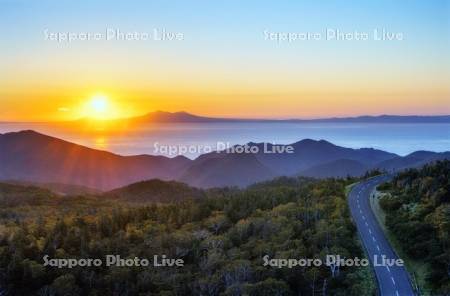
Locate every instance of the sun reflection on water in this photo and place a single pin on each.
(101, 143)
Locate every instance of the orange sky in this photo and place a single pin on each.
(224, 66)
(71, 104)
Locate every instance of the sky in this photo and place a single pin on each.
(225, 59)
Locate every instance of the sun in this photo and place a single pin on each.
(102, 107)
(99, 104)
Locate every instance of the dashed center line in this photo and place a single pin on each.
(363, 194)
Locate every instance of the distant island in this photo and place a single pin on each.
(182, 116)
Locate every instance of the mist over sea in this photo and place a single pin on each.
(400, 138)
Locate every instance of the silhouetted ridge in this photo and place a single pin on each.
(33, 157)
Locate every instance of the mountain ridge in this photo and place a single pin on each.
(33, 157)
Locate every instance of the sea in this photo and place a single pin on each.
(193, 139)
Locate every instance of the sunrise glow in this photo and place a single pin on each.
(311, 78)
(100, 107)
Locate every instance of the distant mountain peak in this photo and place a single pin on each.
(161, 112)
(313, 142)
(25, 132)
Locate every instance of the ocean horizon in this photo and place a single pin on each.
(399, 138)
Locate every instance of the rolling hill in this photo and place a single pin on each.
(13, 195)
(154, 191)
(58, 188)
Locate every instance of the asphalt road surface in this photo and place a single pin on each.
(392, 280)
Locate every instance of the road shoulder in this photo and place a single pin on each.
(417, 270)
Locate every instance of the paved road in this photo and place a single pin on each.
(392, 280)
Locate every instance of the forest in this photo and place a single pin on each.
(418, 213)
(221, 234)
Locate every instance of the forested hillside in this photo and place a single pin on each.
(155, 191)
(222, 238)
(418, 213)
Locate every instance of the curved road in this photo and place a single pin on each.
(392, 280)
